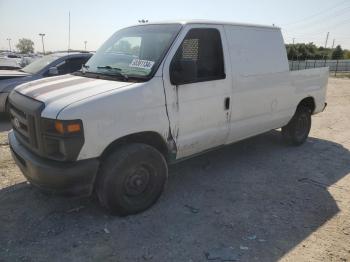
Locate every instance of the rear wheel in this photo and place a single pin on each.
(131, 179)
(298, 128)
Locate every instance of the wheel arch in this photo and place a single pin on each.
(308, 102)
(150, 138)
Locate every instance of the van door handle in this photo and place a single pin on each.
(227, 103)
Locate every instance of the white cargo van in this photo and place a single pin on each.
(154, 94)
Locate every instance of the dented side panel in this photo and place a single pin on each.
(197, 113)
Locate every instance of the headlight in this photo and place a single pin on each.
(63, 139)
(62, 127)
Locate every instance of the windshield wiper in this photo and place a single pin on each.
(109, 67)
(116, 69)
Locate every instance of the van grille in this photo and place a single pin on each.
(24, 126)
(25, 118)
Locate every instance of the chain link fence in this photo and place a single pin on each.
(341, 66)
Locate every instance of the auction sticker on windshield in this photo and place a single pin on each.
(145, 64)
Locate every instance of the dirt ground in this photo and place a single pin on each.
(257, 200)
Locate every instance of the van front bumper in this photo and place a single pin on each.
(68, 178)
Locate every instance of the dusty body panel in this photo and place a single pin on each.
(197, 114)
(264, 94)
(119, 112)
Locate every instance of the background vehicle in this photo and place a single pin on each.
(168, 92)
(13, 61)
(8, 63)
(50, 65)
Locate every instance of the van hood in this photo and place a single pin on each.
(61, 91)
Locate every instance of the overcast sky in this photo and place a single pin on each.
(94, 21)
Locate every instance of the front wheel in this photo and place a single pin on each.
(131, 179)
(298, 128)
(7, 108)
(6, 112)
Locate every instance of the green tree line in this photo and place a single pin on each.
(302, 51)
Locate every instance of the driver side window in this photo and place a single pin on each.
(199, 58)
(71, 65)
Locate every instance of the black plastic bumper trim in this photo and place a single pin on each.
(67, 178)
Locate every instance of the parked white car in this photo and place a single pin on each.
(154, 94)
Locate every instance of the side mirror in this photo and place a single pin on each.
(183, 72)
(53, 71)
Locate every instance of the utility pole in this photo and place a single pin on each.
(68, 31)
(325, 45)
(85, 42)
(333, 43)
(42, 41)
(293, 40)
(9, 39)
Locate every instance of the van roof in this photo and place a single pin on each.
(211, 22)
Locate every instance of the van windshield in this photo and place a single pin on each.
(133, 52)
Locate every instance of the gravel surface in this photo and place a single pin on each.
(256, 200)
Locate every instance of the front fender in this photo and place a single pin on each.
(106, 117)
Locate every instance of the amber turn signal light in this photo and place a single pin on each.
(72, 128)
(59, 127)
(67, 128)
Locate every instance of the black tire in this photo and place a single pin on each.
(298, 128)
(7, 108)
(131, 179)
(5, 115)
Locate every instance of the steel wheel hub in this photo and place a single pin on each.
(137, 182)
